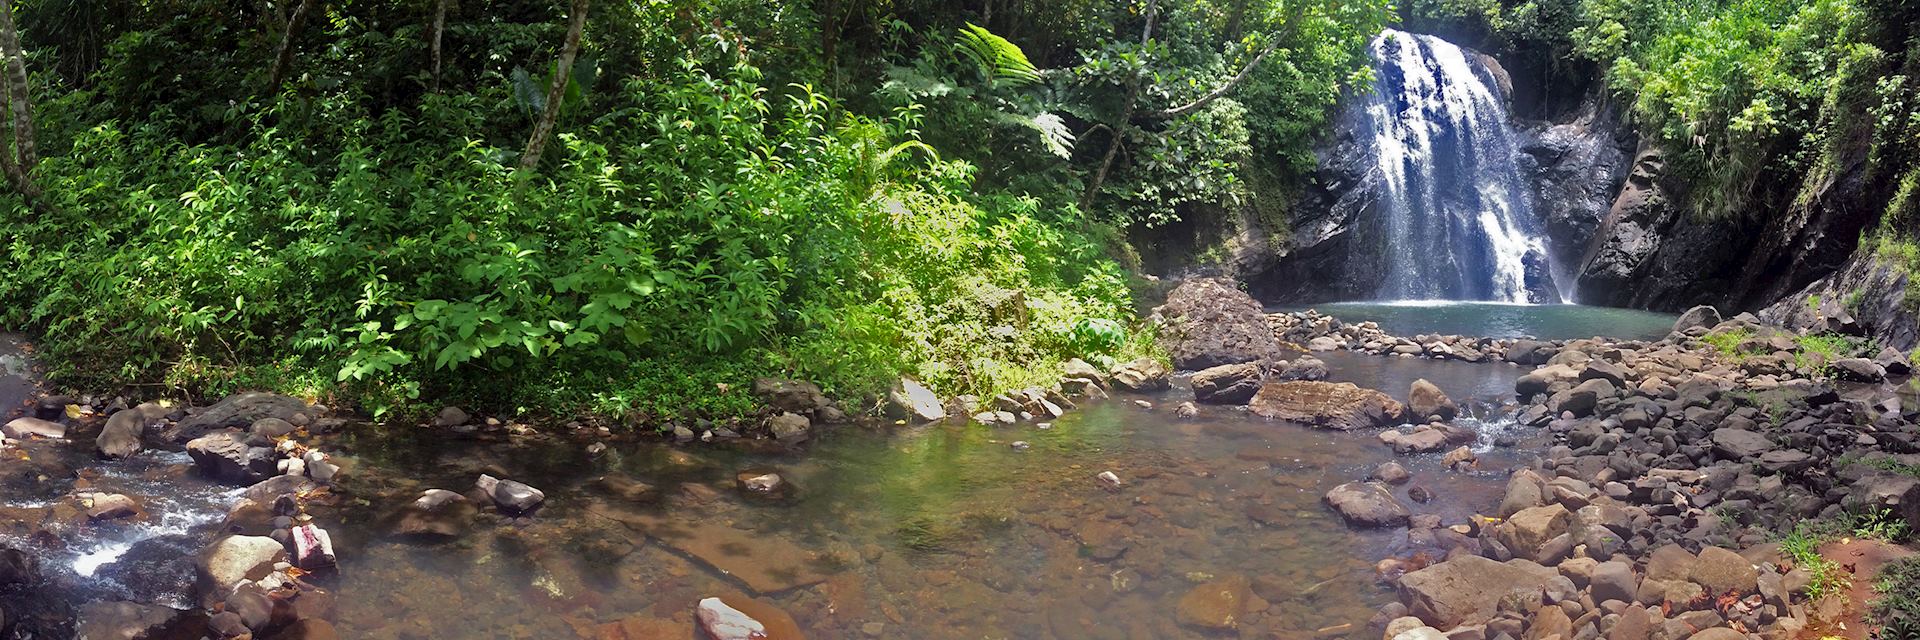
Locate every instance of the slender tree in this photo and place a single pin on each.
(284, 58)
(557, 93)
(439, 29)
(19, 169)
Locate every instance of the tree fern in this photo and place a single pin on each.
(1002, 61)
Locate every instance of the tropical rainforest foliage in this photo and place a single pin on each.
(632, 207)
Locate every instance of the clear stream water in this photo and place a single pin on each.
(1501, 320)
(895, 532)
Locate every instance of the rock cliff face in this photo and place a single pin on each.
(1652, 252)
(1865, 297)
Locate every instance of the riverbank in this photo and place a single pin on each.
(1607, 481)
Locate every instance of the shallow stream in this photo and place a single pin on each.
(945, 531)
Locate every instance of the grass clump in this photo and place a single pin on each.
(1896, 609)
(1729, 342)
(1828, 578)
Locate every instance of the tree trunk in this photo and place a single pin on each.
(439, 28)
(1126, 115)
(284, 56)
(19, 169)
(558, 92)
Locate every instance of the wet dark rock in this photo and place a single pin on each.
(1341, 406)
(1211, 322)
(1142, 376)
(512, 497)
(240, 412)
(17, 568)
(128, 621)
(159, 569)
(226, 456)
(1186, 411)
(1367, 505)
(1227, 384)
(1426, 400)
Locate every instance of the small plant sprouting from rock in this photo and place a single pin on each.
(1897, 609)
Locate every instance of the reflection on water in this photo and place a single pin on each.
(1500, 320)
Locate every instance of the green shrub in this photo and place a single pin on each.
(704, 232)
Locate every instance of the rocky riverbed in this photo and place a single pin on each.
(1314, 479)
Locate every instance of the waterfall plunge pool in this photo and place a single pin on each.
(1498, 319)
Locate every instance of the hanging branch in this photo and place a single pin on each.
(1245, 72)
(284, 57)
(439, 28)
(1126, 113)
(558, 92)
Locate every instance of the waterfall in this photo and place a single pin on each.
(1453, 207)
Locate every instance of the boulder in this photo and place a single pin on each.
(914, 401)
(1722, 572)
(451, 417)
(789, 426)
(272, 428)
(1367, 505)
(1342, 406)
(1700, 316)
(1303, 368)
(1391, 473)
(1896, 493)
(1210, 322)
(794, 396)
(1142, 376)
(226, 456)
(1613, 580)
(1582, 398)
(121, 437)
(1858, 370)
(1467, 589)
(222, 565)
(240, 411)
(111, 506)
(1740, 444)
(1528, 530)
(513, 498)
(1227, 384)
(23, 428)
(17, 567)
(1426, 400)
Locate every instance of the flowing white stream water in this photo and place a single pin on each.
(1458, 221)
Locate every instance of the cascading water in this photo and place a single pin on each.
(1454, 208)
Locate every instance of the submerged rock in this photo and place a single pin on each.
(437, 513)
(1219, 604)
(1342, 406)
